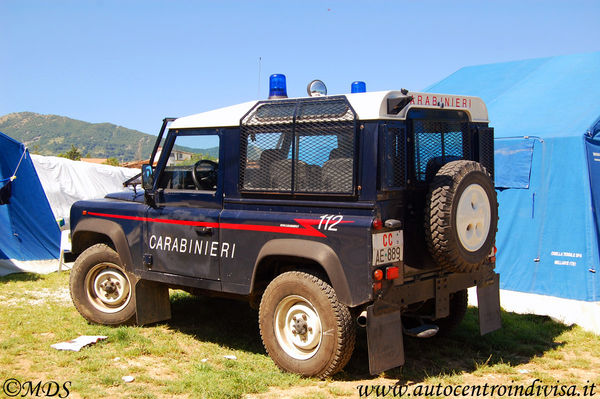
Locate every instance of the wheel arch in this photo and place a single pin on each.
(315, 253)
(94, 231)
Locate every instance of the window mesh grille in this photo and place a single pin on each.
(395, 153)
(486, 149)
(437, 143)
(325, 157)
(299, 146)
(262, 149)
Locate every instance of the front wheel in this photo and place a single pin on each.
(101, 289)
(303, 326)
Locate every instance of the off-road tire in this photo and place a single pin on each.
(338, 331)
(441, 227)
(458, 309)
(96, 265)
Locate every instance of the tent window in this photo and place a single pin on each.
(512, 162)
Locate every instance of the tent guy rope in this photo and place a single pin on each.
(14, 175)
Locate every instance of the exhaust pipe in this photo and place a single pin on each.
(361, 320)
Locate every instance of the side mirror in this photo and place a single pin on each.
(147, 177)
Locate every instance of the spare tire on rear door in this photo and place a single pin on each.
(461, 216)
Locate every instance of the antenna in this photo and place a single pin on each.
(258, 84)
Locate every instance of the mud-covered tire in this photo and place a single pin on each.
(458, 309)
(325, 333)
(101, 290)
(461, 216)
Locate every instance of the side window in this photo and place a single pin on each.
(321, 161)
(325, 160)
(315, 149)
(393, 164)
(263, 150)
(299, 147)
(192, 164)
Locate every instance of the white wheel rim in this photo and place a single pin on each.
(298, 327)
(107, 288)
(473, 217)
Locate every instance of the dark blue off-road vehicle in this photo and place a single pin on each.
(376, 209)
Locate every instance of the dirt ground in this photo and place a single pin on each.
(529, 372)
(573, 375)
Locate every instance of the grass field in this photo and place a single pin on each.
(184, 357)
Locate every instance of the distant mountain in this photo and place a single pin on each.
(53, 134)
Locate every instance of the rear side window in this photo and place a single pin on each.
(264, 149)
(299, 147)
(393, 171)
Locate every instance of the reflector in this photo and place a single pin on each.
(377, 275)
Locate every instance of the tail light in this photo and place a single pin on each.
(392, 272)
(377, 224)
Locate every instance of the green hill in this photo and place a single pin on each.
(53, 134)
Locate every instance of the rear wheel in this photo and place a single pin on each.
(461, 216)
(101, 289)
(304, 328)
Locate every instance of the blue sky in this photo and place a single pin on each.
(134, 62)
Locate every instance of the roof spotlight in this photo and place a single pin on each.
(316, 88)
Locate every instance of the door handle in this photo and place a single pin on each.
(204, 231)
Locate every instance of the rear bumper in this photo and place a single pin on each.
(384, 316)
(438, 286)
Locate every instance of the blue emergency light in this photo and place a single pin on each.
(277, 87)
(358, 87)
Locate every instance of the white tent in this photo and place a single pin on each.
(66, 181)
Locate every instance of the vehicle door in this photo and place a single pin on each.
(182, 234)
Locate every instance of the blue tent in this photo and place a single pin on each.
(546, 115)
(29, 234)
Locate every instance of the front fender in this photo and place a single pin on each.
(105, 227)
(315, 251)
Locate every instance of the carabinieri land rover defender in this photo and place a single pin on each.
(372, 209)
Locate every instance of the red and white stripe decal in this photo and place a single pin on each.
(307, 228)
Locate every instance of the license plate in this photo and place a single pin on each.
(388, 247)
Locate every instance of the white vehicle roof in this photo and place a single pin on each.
(368, 106)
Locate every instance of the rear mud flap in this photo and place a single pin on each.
(384, 337)
(151, 302)
(488, 301)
